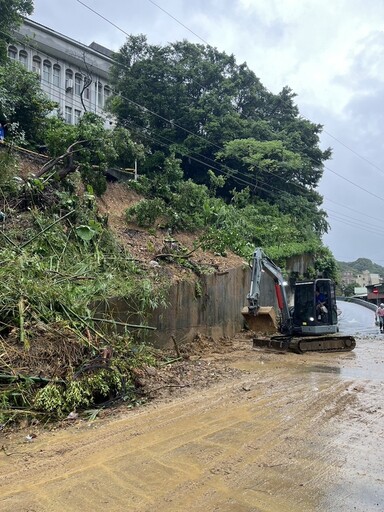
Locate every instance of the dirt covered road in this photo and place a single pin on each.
(281, 433)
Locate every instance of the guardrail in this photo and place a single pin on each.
(360, 302)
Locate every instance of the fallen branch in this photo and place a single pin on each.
(68, 153)
(176, 346)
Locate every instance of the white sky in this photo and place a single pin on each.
(330, 53)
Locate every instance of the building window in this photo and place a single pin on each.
(23, 58)
(68, 115)
(69, 80)
(100, 103)
(36, 65)
(87, 93)
(77, 116)
(47, 68)
(56, 75)
(12, 52)
(107, 92)
(78, 84)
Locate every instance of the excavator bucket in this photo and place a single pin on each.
(264, 321)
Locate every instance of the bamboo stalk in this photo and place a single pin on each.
(122, 323)
(84, 322)
(23, 338)
(176, 347)
(14, 378)
(45, 229)
(9, 240)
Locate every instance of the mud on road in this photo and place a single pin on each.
(272, 433)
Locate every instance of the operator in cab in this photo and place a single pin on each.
(321, 309)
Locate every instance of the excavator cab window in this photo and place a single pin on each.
(315, 303)
(303, 312)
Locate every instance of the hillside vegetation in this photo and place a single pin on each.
(359, 265)
(220, 159)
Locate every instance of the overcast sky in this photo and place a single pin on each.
(329, 52)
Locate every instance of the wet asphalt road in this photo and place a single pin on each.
(357, 320)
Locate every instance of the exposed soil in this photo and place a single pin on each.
(144, 244)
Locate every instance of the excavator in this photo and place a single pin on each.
(310, 325)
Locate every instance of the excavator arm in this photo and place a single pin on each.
(263, 318)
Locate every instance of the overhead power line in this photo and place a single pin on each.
(179, 126)
(354, 152)
(228, 171)
(354, 184)
(179, 22)
(103, 17)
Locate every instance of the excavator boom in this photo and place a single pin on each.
(263, 318)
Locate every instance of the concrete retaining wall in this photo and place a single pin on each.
(209, 305)
(299, 264)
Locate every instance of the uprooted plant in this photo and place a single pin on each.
(59, 262)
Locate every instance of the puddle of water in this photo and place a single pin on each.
(321, 369)
(373, 373)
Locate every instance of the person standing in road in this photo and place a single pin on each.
(380, 316)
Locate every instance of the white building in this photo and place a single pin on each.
(72, 74)
(367, 278)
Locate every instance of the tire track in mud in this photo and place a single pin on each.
(268, 441)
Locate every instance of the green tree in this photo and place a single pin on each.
(349, 290)
(193, 99)
(278, 176)
(90, 148)
(11, 13)
(23, 105)
(326, 265)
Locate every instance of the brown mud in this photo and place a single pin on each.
(239, 430)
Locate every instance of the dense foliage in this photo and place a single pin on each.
(94, 148)
(60, 267)
(23, 105)
(173, 203)
(11, 12)
(198, 103)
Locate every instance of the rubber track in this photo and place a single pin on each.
(327, 343)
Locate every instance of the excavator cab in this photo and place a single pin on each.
(315, 310)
